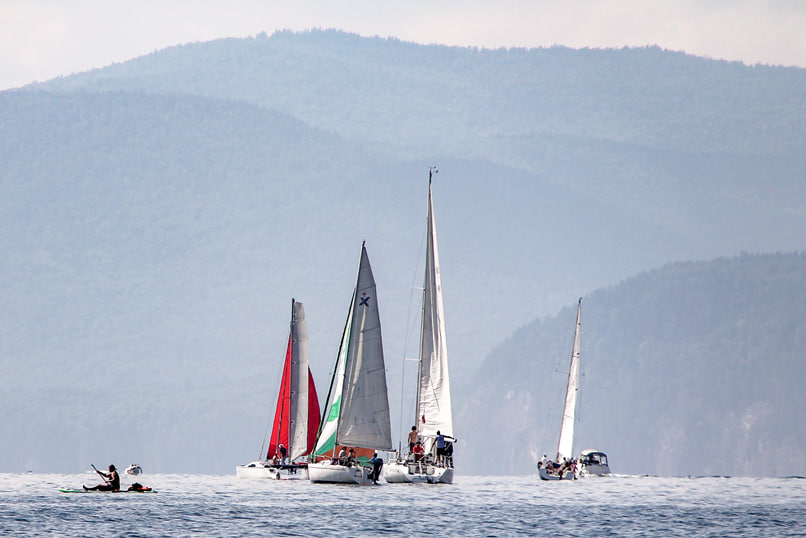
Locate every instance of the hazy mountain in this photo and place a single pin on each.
(158, 215)
(691, 369)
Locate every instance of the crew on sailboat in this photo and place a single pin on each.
(418, 451)
(377, 465)
(413, 438)
(566, 469)
(442, 451)
(449, 453)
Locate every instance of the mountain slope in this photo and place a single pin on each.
(706, 151)
(452, 97)
(691, 369)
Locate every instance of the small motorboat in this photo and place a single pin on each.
(593, 462)
(134, 469)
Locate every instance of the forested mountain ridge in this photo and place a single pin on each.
(697, 147)
(452, 96)
(695, 368)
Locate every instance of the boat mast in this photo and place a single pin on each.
(300, 384)
(293, 380)
(566, 442)
(434, 398)
(284, 410)
(418, 419)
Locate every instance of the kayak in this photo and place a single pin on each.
(70, 490)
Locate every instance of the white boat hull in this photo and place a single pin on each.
(401, 472)
(339, 474)
(594, 470)
(134, 470)
(545, 475)
(267, 470)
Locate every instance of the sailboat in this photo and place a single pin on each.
(565, 467)
(296, 418)
(434, 420)
(357, 409)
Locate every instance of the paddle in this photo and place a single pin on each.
(102, 475)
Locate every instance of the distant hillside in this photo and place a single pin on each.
(452, 99)
(697, 148)
(691, 369)
(640, 128)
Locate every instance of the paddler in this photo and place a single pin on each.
(111, 480)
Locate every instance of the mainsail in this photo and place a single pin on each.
(358, 412)
(434, 388)
(566, 443)
(296, 418)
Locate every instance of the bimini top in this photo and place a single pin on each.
(593, 457)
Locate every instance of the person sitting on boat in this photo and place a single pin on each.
(552, 467)
(563, 467)
(412, 438)
(283, 455)
(568, 468)
(111, 481)
(543, 461)
(351, 457)
(342, 459)
(418, 451)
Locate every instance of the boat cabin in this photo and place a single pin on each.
(593, 457)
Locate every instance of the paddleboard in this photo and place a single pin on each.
(70, 490)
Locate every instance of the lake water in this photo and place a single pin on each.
(474, 506)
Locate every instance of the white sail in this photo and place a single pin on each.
(299, 383)
(566, 443)
(364, 414)
(434, 389)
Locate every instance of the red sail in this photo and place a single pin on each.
(313, 413)
(282, 415)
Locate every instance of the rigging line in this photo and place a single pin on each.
(408, 329)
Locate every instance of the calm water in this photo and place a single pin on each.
(475, 506)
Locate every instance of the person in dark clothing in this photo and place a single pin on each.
(111, 481)
(441, 443)
(377, 465)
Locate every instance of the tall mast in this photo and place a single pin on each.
(418, 418)
(566, 442)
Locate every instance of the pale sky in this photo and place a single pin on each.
(42, 39)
